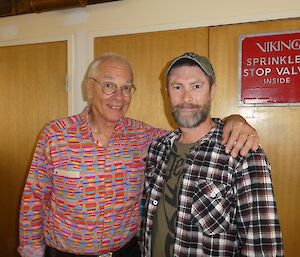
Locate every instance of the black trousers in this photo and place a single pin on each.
(131, 249)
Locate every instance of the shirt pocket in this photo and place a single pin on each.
(133, 187)
(212, 206)
(68, 189)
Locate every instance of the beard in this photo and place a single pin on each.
(193, 119)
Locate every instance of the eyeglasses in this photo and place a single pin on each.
(109, 88)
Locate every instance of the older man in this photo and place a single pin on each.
(201, 201)
(83, 191)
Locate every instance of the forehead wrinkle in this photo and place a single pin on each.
(110, 77)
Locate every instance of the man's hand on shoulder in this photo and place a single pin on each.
(239, 136)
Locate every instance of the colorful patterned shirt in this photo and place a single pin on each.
(80, 197)
(226, 206)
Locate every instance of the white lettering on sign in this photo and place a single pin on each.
(288, 70)
(294, 70)
(277, 81)
(272, 60)
(258, 72)
(277, 46)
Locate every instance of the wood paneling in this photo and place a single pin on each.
(278, 127)
(148, 53)
(32, 86)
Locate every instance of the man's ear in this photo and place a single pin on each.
(88, 88)
(167, 91)
(213, 89)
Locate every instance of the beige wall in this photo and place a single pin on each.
(79, 26)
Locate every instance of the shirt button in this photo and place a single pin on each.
(213, 195)
(155, 202)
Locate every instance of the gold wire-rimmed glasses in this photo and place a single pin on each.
(109, 88)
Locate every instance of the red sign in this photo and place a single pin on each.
(270, 69)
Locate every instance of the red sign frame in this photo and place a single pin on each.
(269, 69)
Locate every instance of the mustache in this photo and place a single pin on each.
(179, 106)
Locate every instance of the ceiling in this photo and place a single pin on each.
(18, 7)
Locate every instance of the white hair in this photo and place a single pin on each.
(107, 57)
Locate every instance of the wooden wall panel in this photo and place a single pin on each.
(278, 127)
(148, 53)
(32, 86)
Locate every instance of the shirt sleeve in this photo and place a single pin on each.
(258, 224)
(35, 201)
(155, 133)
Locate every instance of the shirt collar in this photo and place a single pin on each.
(214, 134)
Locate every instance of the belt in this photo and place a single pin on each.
(133, 243)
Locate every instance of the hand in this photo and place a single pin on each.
(239, 136)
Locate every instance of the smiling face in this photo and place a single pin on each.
(190, 95)
(109, 108)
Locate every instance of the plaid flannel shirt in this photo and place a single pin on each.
(226, 205)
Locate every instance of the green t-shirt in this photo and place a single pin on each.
(165, 217)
